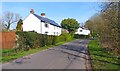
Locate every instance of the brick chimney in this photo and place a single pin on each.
(43, 14)
(32, 11)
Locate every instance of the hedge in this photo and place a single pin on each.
(30, 40)
(81, 36)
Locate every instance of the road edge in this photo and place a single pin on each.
(89, 64)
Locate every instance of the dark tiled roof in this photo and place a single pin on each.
(46, 20)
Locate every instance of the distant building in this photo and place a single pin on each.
(41, 24)
(82, 31)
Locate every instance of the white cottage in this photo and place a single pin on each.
(82, 31)
(41, 24)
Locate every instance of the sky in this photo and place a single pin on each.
(57, 11)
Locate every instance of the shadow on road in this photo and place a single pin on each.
(82, 49)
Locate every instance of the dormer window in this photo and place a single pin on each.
(46, 25)
(80, 30)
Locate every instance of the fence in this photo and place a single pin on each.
(7, 39)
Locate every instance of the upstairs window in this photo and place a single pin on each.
(46, 25)
(80, 30)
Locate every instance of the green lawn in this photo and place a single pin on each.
(101, 59)
(10, 54)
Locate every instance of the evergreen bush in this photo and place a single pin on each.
(30, 40)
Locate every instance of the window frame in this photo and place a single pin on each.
(81, 30)
(46, 25)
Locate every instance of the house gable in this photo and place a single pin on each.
(31, 23)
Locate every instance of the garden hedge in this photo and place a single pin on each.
(81, 36)
(30, 40)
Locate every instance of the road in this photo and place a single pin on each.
(67, 56)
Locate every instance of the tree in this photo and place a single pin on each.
(19, 25)
(89, 25)
(107, 25)
(110, 12)
(70, 24)
(10, 18)
(2, 25)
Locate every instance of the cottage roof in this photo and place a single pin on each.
(44, 19)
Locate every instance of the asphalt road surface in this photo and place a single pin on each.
(67, 56)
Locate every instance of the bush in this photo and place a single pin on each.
(27, 40)
(30, 40)
(64, 37)
(80, 36)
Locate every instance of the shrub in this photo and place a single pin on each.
(30, 40)
(64, 37)
(26, 40)
(81, 36)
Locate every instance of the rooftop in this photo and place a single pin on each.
(46, 20)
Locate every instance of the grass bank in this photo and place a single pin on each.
(10, 54)
(101, 59)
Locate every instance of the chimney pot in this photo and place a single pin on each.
(32, 11)
(43, 14)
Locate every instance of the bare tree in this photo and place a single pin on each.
(0, 24)
(10, 18)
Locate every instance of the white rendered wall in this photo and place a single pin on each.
(32, 23)
(83, 32)
(51, 29)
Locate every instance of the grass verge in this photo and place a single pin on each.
(101, 59)
(10, 54)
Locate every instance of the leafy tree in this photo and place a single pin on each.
(70, 24)
(19, 25)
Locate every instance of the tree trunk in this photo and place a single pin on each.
(8, 27)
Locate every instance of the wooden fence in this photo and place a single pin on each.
(7, 40)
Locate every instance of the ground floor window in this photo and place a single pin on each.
(46, 32)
